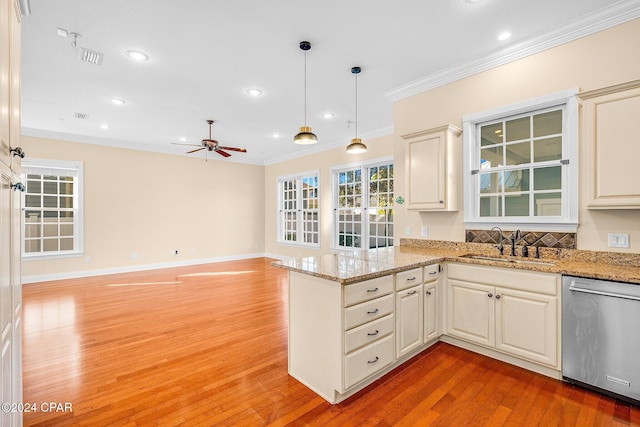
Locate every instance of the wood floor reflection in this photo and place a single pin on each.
(207, 345)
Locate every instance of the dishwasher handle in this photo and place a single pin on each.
(573, 288)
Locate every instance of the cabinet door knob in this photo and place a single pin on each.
(374, 360)
(372, 290)
(428, 292)
(497, 296)
(373, 334)
(373, 312)
(490, 295)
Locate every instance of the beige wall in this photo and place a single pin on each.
(602, 59)
(151, 204)
(322, 162)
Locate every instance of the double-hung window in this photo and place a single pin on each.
(363, 206)
(520, 165)
(52, 221)
(298, 209)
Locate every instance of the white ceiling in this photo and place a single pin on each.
(204, 54)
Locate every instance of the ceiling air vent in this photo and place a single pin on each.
(90, 56)
(81, 116)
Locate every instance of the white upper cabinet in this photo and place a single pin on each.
(432, 159)
(610, 142)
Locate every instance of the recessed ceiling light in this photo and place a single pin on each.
(328, 115)
(137, 55)
(104, 126)
(276, 135)
(254, 92)
(504, 36)
(118, 101)
(183, 139)
(473, 1)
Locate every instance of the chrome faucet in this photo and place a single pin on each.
(499, 245)
(515, 237)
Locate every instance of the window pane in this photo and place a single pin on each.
(490, 206)
(547, 123)
(66, 230)
(66, 188)
(491, 134)
(32, 230)
(518, 154)
(491, 182)
(32, 201)
(50, 245)
(50, 201)
(50, 230)
(31, 246)
(66, 244)
(51, 216)
(66, 216)
(516, 205)
(32, 216)
(34, 186)
(547, 149)
(517, 180)
(548, 204)
(547, 178)
(50, 187)
(518, 129)
(66, 202)
(492, 155)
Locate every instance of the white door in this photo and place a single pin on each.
(408, 320)
(471, 312)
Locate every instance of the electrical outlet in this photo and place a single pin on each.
(87, 259)
(176, 252)
(407, 230)
(618, 240)
(134, 255)
(424, 231)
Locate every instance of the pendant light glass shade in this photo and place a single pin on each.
(356, 146)
(305, 136)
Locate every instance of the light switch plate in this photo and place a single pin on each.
(407, 230)
(618, 240)
(424, 231)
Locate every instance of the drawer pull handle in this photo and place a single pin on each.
(433, 272)
(372, 290)
(411, 278)
(373, 312)
(412, 292)
(374, 360)
(428, 292)
(373, 334)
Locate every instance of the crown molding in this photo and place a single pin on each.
(607, 17)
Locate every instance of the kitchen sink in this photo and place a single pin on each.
(506, 260)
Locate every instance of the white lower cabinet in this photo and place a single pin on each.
(512, 311)
(431, 304)
(409, 320)
(367, 361)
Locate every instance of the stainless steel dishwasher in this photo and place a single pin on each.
(601, 336)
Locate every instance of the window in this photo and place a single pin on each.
(363, 200)
(52, 222)
(298, 213)
(520, 166)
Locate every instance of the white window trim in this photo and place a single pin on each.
(300, 175)
(51, 165)
(568, 222)
(381, 161)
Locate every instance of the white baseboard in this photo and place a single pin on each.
(142, 267)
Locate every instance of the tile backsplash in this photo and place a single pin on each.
(540, 239)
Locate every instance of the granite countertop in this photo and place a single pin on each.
(356, 266)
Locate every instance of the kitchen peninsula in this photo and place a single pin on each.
(355, 316)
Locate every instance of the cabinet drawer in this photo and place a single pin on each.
(367, 361)
(369, 289)
(430, 272)
(409, 278)
(367, 311)
(368, 333)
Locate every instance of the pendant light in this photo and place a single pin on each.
(356, 146)
(305, 137)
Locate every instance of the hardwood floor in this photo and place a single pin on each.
(207, 345)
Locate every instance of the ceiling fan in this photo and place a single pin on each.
(213, 145)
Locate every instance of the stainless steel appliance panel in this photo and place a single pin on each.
(601, 335)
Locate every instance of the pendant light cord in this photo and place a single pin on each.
(356, 74)
(305, 88)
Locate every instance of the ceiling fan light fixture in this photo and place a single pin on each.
(305, 136)
(136, 55)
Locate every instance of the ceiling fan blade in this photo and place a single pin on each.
(190, 145)
(242, 150)
(197, 149)
(222, 153)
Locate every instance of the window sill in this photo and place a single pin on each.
(42, 257)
